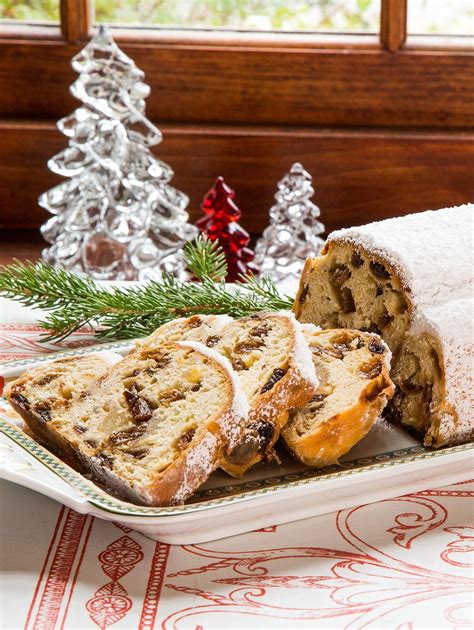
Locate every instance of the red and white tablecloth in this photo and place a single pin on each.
(404, 563)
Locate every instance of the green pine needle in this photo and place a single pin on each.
(74, 301)
(205, 259)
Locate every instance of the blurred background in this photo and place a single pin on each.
(446, 17)
(373, 97)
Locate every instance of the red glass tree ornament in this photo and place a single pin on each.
(220, 224)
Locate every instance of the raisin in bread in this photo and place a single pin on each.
(152, 427)
(274, 365)
(354, 386)
(410, 280)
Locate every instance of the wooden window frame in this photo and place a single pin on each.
(76, 19)
(339, 69)
(363, 112)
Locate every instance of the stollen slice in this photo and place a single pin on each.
(272, 361)
(152, 427)
(274, 365)
(354, 387)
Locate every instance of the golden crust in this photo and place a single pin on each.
(338, 434)
(353, 369)
(291, 392)
(309, 266)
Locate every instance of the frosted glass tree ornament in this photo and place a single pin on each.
(294, 230)
(117, 216)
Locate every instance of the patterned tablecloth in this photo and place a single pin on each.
(404, 563)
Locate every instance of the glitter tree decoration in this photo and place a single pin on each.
(117, 216)
(220, 224)
(293, 233)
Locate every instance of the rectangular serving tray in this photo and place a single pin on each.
(387, 463)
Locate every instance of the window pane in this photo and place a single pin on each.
(247, 15)
(441, 17)
(31, 10)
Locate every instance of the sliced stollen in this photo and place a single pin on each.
(153, 427)
(194, 328)
(274, 366)
(276, 371)
(354, 386)
(401, 278)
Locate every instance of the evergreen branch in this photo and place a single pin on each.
(205, 259)
(73, 301)
(266, 288)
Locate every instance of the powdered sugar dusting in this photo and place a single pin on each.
(301, 354)
(431, 250)
(383, 424)
(199, 463)
(222, 320)
(452, 323)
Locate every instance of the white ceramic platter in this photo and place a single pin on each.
(387, 463)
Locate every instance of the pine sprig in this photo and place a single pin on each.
(205, 259)
(74, 301)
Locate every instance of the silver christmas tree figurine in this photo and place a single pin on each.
(117, 217)
(293, 233)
